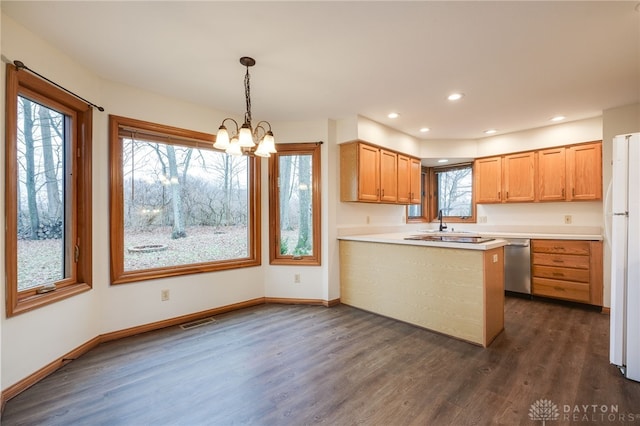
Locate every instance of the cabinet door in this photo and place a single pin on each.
(518, 183)
(584, 172)
(488, 172)
(551, 174)
(368, 173)
(416, 181)
(388, 176)
(404, 179)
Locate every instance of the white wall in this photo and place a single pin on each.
(279, 282)
(31, 340)
(34, 339)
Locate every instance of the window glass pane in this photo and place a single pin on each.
(455, 191)
(415, 210)
(296, 205)
(40, 194)
(182, 205)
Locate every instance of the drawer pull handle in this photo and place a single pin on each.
(558, 274)
(558, 261)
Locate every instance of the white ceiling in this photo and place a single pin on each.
(518, 63)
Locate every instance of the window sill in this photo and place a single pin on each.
(35, 301)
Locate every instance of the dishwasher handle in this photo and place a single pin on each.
(519, 243)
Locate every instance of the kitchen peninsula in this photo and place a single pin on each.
(454, 288)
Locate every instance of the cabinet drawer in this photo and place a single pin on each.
(568, 274)
(561, 289)
(561, 260)
(561, 247)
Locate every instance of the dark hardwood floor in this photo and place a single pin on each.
(297, 365)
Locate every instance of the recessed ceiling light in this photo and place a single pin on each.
(490, 131)
(443, 160)
(393, 115)
(455, 96)
(425, 129)
(558, 118)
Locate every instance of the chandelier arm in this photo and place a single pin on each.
(234, 122)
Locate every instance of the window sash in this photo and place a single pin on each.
(435, 207)
(122, 128)
(77, 191)
(280, 249)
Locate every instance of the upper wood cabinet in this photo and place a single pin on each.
(409, 184)
(488, 177)
(369, 173)
(415, 177)
(551, 174)
(518, 177)
(569, 173)
(388, 176)
(584, 172)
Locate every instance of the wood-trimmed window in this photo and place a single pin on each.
(47, 193)
(420, 212)
(178, 206)
(294, 205)
(452, 192)
(449, 189)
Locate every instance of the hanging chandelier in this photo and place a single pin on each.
(243, 141)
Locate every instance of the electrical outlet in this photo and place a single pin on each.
(482, 219)
(568, 219)
(495, 258)
(368, 220)
(164, 295)
(296, 278)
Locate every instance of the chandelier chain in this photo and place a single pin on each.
(247, 96)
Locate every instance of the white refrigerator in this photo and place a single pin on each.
(624, 240)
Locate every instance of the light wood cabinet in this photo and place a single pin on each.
(584, 172)
(518, 177)
(571, 173)
(369, 173)
(568, 270)
(409, 183)
(368, 176)
(551, 174)
(488, 177)
(568, 173)
(388, 176)
(415, 177)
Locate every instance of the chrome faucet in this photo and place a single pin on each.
(442, 227)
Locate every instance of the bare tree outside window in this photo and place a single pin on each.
(173, 193)
(294, 204)
(41, 230)
(454, 186)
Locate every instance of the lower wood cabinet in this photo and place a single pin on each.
(567, 269)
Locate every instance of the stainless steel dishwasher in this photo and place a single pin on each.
(517, 266)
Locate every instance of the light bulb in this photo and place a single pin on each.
(234, 147)
(222, 139)
(245, 137)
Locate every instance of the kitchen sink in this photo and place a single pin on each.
(435, 232)
(449, 238)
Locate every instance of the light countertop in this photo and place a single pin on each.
(399, 238)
